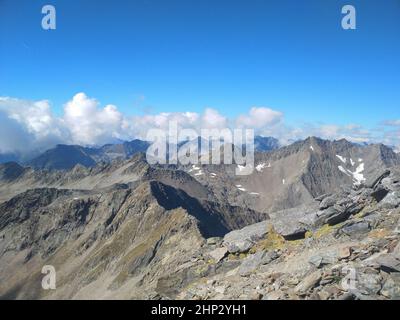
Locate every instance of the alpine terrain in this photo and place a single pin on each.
(316, 219)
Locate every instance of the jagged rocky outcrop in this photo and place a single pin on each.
(354, 257)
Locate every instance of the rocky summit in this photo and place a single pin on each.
(315, 220)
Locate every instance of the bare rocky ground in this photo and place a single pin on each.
(356, 256)
(315, 220)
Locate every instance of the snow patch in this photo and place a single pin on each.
(312, 148)
(352, 162)
(344, 171)
(240, 187)
(343, 159)
(261, 166)
(283, 181)
(254, 193)
(357, 175)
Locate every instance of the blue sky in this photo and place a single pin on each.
(185, 55)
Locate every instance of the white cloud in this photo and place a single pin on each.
(12, 135)
(139, 125)
(89, 125)
(85, 122)
(260, 117)
(27, 126)
(212, 119)
(35, 116)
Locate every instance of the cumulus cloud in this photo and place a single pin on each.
(35, 116)
(32, 125)
(212, 119)
(13, 136)
(89, 124)
(260, 117)
(139, 125)
(27, 126)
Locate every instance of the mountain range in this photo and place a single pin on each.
(115, 226)
(63, 156)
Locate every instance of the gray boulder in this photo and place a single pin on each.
(308, 282)
(379, 193)
(218, 254)
(355, 227)
(392, 182)
(292, 224)
(324, 215)
(388, 262)
(292, 231)
(242, 240)
(396, 251)
(338, 217)
(320, 260)
(338, 213)
(391, 287)
(391, 200)
(252, 262)
(368, 283)
(374, 180)
(328, 202)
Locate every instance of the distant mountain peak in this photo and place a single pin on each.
(263, 144)
(10, 171)
(63, 156)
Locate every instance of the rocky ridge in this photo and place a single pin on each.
(346, 248)
(131, 230)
